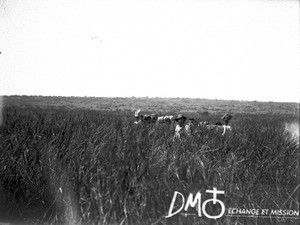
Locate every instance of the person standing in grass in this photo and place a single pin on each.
(189, 128)
(226, 118)
(138, 117)
(180, 128)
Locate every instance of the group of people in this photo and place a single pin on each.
(188, 128)
(147, 118)
(183, 126)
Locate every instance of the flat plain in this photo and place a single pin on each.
(72, 160)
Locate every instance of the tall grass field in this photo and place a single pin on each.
(83, 166)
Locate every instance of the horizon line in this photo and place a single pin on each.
(213, 99)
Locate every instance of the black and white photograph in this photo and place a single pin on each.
(139, 112)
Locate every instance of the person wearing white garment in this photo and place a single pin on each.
(226, 118)
(138, 117)
(180, 128)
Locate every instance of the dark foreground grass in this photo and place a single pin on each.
(61, 166)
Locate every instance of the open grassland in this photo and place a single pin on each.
(68, 166)
(163, 105)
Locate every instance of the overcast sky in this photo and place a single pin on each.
(241, 50)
